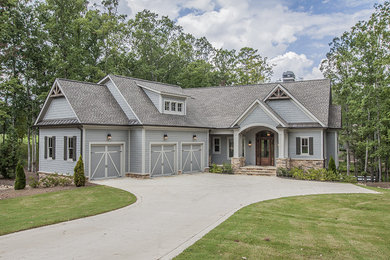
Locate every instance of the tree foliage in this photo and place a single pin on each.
(358, 65)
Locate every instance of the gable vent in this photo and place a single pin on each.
(279, 94)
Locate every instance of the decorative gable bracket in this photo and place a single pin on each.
(56, 92)
(279, 94)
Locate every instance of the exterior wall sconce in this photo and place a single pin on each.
(195, 137)
(250, 143)
(165, 137)
(268, 134)
(108, 137)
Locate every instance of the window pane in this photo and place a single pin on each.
(305, 149)
(179, 106)
(231, 148)
(167, 105)
(173, 106)
(216, 145)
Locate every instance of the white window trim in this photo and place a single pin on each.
(48, 147)
(228, 150)
(67, 150)
(308, 145)
(220, 146)
(169, 111)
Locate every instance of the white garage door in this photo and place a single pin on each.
(106, 161)
(192, 158)
(163, 160)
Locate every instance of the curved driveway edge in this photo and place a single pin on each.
(170, 214)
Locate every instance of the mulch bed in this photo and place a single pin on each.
(384, 185)
(7, 190)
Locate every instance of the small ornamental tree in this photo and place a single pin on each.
(20, 180)
(332, 165)
(78, 176)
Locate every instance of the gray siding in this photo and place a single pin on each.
(120, 99)
(154, 97)
(100, 135)
(177, 136)
(223, 156)
(258, 116)
(59, 165)
(136, 150)
(316, 134)
(331, 147)
(289, 111)
(59, 108)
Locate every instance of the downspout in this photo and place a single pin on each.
(81, 141)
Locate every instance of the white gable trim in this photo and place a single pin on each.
(299, 104)
(163, 92)
(252, 107)
(120, 93)
(45, 105)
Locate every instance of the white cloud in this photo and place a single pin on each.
(269, 26)
(298, 63)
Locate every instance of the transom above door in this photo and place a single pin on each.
(265, 155)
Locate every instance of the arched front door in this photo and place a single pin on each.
(265, 148)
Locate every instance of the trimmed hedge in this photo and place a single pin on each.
(315, 175)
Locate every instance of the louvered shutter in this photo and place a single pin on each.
(54, 148)
(74, 148)
(311, 152)
(45, 147)
(65, 148)
(298, 145)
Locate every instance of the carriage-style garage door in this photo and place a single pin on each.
(163, 159)
(191, 158)
(106, 161)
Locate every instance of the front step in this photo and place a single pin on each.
(257, 170)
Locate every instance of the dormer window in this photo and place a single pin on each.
(173, 107)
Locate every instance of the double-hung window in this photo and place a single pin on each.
(71, 150)
(230, 147)
(305, 146)
(217, 145)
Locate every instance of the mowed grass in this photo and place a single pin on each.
(345, 226)
(44, 209)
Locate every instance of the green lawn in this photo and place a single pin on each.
(44, 209)
(345, 226)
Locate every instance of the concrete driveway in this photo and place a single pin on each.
(171, 213)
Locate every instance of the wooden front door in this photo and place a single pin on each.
(265, 148)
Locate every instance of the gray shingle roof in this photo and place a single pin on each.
(53, 122)
(93, 103)
(335, 116)
(210, 107)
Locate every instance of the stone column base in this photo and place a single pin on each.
(283, 163)
(237, 162)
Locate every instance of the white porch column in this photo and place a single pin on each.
(281, 143)
(236, 143)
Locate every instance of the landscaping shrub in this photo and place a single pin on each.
(33, 182)
(298, 173)
(215, 168)
(20, 180)
(283, 172)
(227, 168)
(54, 180)
(78, 176)
(332, 165)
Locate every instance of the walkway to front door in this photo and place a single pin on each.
(265, 148)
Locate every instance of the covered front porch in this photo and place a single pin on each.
(254, 147)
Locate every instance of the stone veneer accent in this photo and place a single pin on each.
(306, 164)
(138, 175)
(283, 163)
(237, 162)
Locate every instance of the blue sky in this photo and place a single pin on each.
(294, 35)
